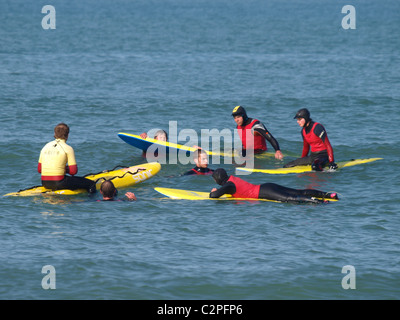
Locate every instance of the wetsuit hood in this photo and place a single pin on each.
(303, 113)
(240, 111)
(220, 176)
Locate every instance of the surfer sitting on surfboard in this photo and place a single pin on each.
(240, 188)
(160, 135)
(314, 136)
(109, 192)
(200, 158)
(258, 132)
(58, 158)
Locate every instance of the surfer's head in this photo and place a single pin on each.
(220, 176)
(303, 114)
(61, 131)
(200, 158)
(108, 190)
(239, 115)
(161, 135)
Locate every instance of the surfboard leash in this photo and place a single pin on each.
(120, 177)
(104, 171)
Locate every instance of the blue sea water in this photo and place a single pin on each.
(131, 66)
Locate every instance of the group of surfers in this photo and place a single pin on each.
(58, 167)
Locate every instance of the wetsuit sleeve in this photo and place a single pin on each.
(320, 131)
(227, 188)
(306, 147)
(72, 170)
(262, 130)
(329, 149)
(190, 172)
(72, 165)
(39, 168)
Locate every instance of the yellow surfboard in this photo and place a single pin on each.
(302, 169)
(122, 178)
(199, 195)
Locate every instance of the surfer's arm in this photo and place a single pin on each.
(143, 136)
(227, 188)
(39, 168)
(306, 148)
(329, 149)
(72, 167)
(72, 170)
(130, 196)
(260, 129)
(190, 172)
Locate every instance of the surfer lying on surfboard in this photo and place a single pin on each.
(240, 188)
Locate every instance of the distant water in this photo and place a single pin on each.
(131, 66)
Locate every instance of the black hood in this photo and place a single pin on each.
(240, 111)
(220, 176)
(303, 113)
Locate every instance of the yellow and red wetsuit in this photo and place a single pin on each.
(56, 159)
(53, 161)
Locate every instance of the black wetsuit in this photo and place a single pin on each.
(71, 183)
(199, 171)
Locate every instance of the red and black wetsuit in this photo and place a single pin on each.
(199, 171)
(258, 144)
(314, 137)
(240, 188)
